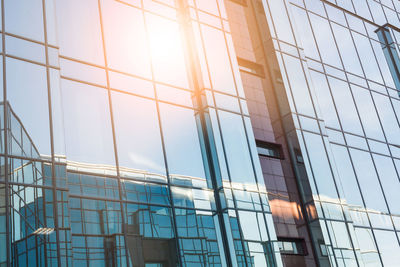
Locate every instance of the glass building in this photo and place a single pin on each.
(162, 133)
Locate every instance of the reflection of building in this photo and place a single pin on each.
(200, 133)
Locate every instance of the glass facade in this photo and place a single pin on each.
(125, 138)
(338, 62)
(147, 132)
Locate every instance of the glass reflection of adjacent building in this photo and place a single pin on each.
(126, 138)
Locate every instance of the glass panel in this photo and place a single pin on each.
(185, 163)
(299, 86)
(125, 39)
(197, 237)
(368, 250)
(388, 247)
(388, 118)
(88, 134)
(79, 32)
(167, 51)
(236, 148)
(138, 134)
(367, 112)
(369, 64)
(390, 181)
(368, 180)
(347, 50)
(325, 99)
(346, 174)
(345, 106)
(25, 18)
(32, 110)
(320, 165)
(218, 60)
(325, 41)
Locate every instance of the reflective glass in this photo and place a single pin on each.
(79, 33)
(389, 180)
(388, 247)
(320, 165)
(88, 134)
(236, 148)
(32, 110)
(325, 99)
(347, 177)
(299, 86)
(185, 163)
(218, 60)
(388, 118)
(138, 134)
(130, 53)
(167, 51)
(368, 180)
(325, 41)
(367, 112)
(347, 50)
(345, 106)
(25, 18)
(368, 249)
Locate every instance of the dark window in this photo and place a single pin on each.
(267, 149)
(251, 67)
(292, 246)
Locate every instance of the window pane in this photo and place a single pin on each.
(167, 51)
(125, 39)
(388, 118)
(236, 147)
(367, 112)
(390, 182)
(368, 250)
(345, 106)
(182, 143)
(299, 86)
(25, 18)
(88, 134)
(29, 80)
(388, 247)
(320, 165)
(347, 177)
(137, 134)
(325, 41)
(218, 60)
(347, 50)
(79, 30)
(368, 180)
